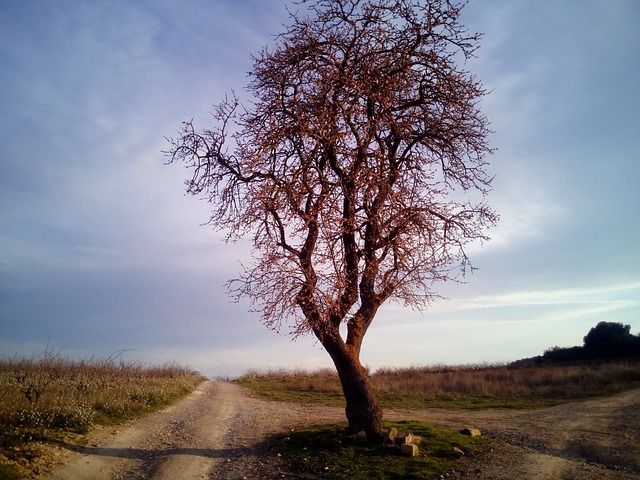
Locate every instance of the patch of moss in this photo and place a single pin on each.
(8, 472)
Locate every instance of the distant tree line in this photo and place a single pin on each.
(605, 341)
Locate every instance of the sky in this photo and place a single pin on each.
(103, 254)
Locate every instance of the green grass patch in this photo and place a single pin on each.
(326, 452)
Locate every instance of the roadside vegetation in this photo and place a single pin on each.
(465, 386)
(49, 398)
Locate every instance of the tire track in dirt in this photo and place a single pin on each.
(174, 443)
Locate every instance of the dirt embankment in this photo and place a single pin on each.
(221, 432)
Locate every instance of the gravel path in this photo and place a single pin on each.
(220, 432)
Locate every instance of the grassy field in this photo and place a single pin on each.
(47, 398)
(468, 386)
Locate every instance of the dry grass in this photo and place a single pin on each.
(509, 386)
(43, 398)
(322, 384)
(466, 386)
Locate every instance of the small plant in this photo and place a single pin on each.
(32, 385)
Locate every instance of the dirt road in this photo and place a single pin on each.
(217, 432)
(588, 440)
(220, 431)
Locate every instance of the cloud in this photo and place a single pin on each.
(101, 248)
(612, 296)
(499, 327)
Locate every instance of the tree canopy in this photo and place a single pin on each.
(607, 340)
(358, 167)
(611, 340)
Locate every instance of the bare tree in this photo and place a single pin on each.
(358, 169)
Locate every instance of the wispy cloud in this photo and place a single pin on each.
(594, 299)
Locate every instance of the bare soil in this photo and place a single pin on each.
(222, 432)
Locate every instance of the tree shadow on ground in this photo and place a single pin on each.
(248, 458)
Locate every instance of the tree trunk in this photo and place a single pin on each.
(363, 410)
